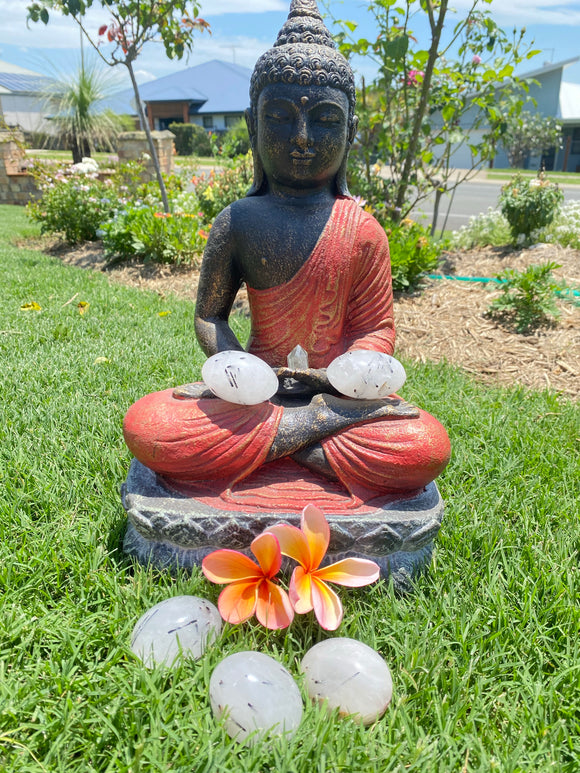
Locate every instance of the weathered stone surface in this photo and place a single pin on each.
(172, 531)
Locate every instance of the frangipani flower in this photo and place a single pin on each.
(250, 589)
(308, 589)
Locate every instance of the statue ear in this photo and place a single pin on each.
(249, 116)
(352, 129)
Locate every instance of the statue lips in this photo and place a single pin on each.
(302, 157)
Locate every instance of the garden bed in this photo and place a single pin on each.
(445, 321)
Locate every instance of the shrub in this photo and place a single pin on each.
(74, 204)
(190, 139)
(236, 141)
(413, 252)
(529, 205)
(489, 227)
(218, 189)
(527, 298)
(145, 233)
(565, 230)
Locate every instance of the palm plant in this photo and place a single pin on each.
(74, 103)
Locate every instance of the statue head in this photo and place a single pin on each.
(304, 55)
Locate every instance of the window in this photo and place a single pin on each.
(575, 147)
(208, 121)
(232, 120)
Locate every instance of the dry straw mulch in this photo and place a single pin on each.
(446, 320)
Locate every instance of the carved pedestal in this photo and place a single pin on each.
(172, 530)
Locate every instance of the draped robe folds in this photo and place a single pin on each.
(339, 300)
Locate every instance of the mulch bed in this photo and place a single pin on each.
(445, 320)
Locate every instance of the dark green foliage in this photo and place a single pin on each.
(413, 252)
(529, 205)
(190, 139)
(527, 300)
(236, 141)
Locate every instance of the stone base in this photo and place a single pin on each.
(170, 531)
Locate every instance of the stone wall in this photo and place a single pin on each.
(133, 146)
(16, 185)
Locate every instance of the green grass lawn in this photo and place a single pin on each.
(563, 178)
(485, 655)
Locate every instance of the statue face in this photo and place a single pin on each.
(302, 134)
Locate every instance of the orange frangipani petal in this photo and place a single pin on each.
(327, 606)
(352, 572)
(237, 602)
(273, 607)
(223, 566)
(266, 548)
(293, 543)
(317, 532)
(300, 590)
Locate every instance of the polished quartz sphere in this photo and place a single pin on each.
(239, 377)
(179, 626)
(255, 695)
(350, 676)
(366, 375)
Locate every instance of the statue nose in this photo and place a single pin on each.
(301, 133)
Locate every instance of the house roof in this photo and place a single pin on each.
(549, 67)
(569, 102)
(15, 79)
(213, 87)
(23, 84)
(7, 67)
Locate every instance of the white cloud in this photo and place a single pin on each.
(62, 31)
(524, 12)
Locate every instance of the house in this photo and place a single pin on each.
(554, 99)
(213, 95)
(568, 158)
(21, 104)
(550, 96)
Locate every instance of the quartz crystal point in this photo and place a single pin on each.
(366, 375)
(350, 676)
(256, 696)
(298, 358)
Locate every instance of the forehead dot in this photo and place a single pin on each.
(304, 100)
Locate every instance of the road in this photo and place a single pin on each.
(470, 199)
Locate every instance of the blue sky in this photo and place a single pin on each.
(553, 25)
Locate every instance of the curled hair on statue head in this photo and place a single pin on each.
(304, 53)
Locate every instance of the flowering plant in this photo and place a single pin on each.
(252, 588)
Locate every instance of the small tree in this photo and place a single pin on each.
(73, 102)
(133, 24)
(527, 134)
(427, 103)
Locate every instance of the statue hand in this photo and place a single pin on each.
(192, 391)
(311, 380)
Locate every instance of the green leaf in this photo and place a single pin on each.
(44, 16)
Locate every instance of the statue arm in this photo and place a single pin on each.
(370, 317)
(219, 281)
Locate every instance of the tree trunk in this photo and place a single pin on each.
(436, 30)
(145, 125)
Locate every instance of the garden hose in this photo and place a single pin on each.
(568, 293)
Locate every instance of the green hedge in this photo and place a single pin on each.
(190, 139)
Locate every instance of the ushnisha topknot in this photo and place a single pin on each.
(304, 53)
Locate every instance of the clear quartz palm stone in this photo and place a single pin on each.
(366, 375)
(256, 696)
(239, 377)
(179, 626)
(350, 676)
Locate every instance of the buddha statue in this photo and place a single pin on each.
(316, 267)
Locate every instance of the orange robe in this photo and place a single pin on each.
(340, 299)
